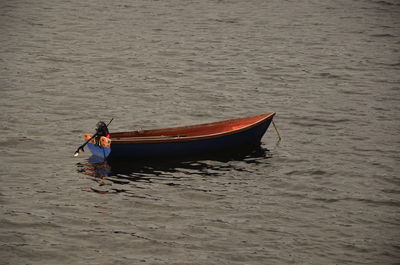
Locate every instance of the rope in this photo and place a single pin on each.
(277, 132)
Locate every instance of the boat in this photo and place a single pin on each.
(185, 141)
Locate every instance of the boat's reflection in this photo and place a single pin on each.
(167, 171)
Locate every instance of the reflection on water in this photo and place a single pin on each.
(119, 176)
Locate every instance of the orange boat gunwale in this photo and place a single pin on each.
(191, 132)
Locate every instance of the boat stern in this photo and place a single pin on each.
(102, 149)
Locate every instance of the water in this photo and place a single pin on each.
(328, 193)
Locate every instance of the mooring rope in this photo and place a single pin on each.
(277, 132)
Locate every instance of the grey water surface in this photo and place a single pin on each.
(328, 193)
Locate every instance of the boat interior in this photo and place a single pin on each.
(194, 130)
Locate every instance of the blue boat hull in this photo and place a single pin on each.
(99, 151)
(246, 138)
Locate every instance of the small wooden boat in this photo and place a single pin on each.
(222, 136)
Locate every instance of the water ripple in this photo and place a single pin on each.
(128, 175)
